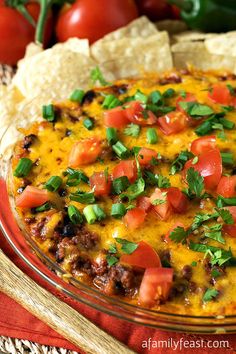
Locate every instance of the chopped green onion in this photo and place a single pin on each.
(118, 210)
(23, 167)
(152, 137)
(110, 102)
(120, 150)
(99, 212)
(227, 158)
(75, 215)
(139, 96)
(88, 123)
(83, 197)
(49, 113)
(111, 134)
(120, 184)
(77, 96)
(89, 214)
(53, 184)
(46, 206)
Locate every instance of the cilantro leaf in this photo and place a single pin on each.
(156, 180)
(218, 256)
(214, 233)
(225, 215)
(231, 90)
(158, 201)
(179, 162)
(210, 294)
(179, 234)
(111, 260)
(215, 273)
(96, 75)
(112, 249)
(195, 182)
(120, 184)
(134, 190)
(221, 201)
(195, 109)
(132, 130)
(127, 247)
(200, 218)
(83, 197)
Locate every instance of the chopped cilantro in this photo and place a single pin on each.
(194, 264)
(83, 197)
(215, 273)
(96, 75)
(127, 247)
(156, 180)
(155, 97)
(214, 232)
(158, 201)
(111, 260)
(120, 184)
(231, 90)
(226, 216)
(196, 110)
(221, 201)
(132, 130)
(195, 182)
(169, 93)
(210, 294)
(179, 234)
(112, 249)
(179, 162)
(134, 190)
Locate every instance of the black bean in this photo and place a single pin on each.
(68, 230)
(89, 97)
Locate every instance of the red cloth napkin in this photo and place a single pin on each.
(18, 323)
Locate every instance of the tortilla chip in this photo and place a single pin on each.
(153, 53)
(192, 36)
(54, 73)
(141, 27)
(222, 44)
(171, 26)
(196, 54)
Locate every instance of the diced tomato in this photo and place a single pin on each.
(177, 224)
(144, 257)
(126, 168)
(138, 115)
(85, 152)
(116, 118)
(144, 203)
(201, 145)
(209, 165)
(163, 210)
(32, 197)
(177, 199)
(145, 156)
(172, 123)
(100, 183)
(190, 97)
(134, 218)
(219, 93)
(156, 284)
(227, 186)
(231, 229)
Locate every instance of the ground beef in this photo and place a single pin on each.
(85, 238)
(119, 280)
(171, 79)
(28, 141)
(187, 272)
(89, 97)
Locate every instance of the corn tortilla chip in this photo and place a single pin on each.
(141, 27)
(222, 44)
(153, 53)
(196, 54)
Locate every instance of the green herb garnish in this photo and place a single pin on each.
(132, 130)
(127, 246)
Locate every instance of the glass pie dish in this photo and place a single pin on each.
(20, 241)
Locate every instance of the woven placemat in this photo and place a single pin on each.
(11, 345)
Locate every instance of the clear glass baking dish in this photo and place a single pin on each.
(39, 263)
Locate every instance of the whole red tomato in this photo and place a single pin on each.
(16, 32)
(155, 10)
(93, 19)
